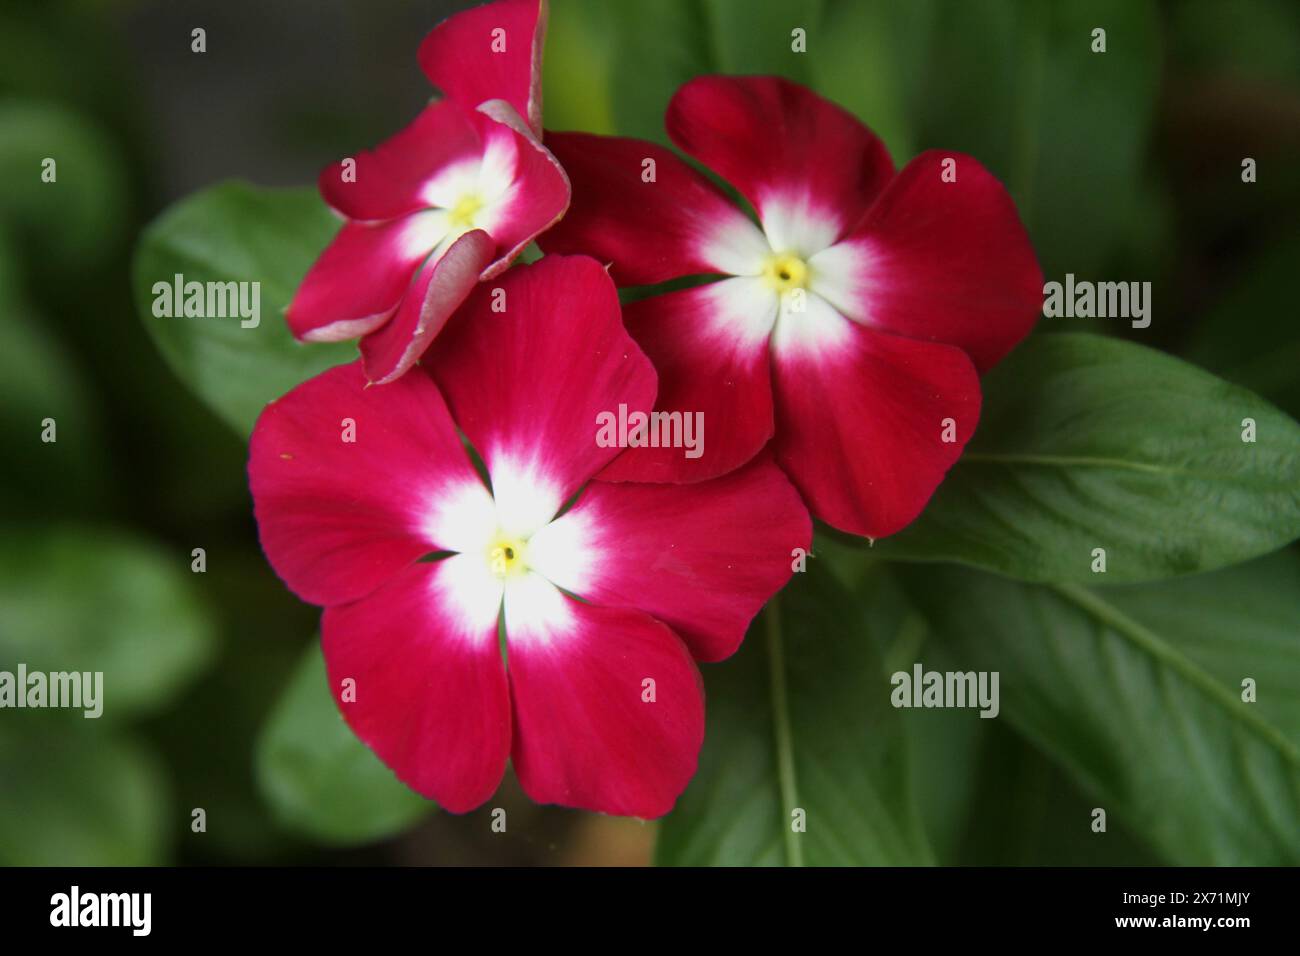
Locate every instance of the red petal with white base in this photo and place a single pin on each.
(861, 425)
(526, 381)
(359, 279)
(438, 289)
(679, 224)
(944, 261)
(585, 734)
(389, 181)
(464, 56)
(539, 194)
(795, 156)
(703, 558)
(339, 518)
(710, 350)
(429, 692)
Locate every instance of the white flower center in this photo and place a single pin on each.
(785, 272)
(510, 546)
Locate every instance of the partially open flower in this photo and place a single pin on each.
(854, 316)
(603, 594)
(449, 201)
(491, 52)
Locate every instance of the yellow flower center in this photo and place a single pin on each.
(506, 556)
(785, 272)
(466, 208)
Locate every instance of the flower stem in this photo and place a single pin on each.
(781, 728)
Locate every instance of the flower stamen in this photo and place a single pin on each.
(506, 557)
(466, 208)
(785, 272)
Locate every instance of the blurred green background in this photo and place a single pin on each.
(1126, 166)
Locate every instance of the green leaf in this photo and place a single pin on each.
(80, 600)
(37, 382)
(1020, 89)
(220, 774)
(1250, 337)
(1017, 807)
(1138, 693)
(319, 779)
(644, 76)
(601, 75)
(870, 57)
(800, 719)
(756, 38)
(1093, 115)
(235, 232)
(78, 216)
(576, 66)
(973, 103)
(1087, 442)
(986, 796)
(1239, 622)
(80, 797)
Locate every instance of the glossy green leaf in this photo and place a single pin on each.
(800, 720)
(1139, 693)
(1087, 442)
(235, 232)
(319, 779)
(986, 795)
(81, 600)
(1013, 805)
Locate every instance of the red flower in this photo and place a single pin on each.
(605, 605)
(491, 52)
(855, 319)
(447, 202)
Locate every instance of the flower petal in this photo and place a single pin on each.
(702, 558)
(360, 278)
(941, 261)
(585, 734)
(338, 518)
(808, 166)
(490, 52)
(679, 224)
(709, 346)
(538, 193)
(441, 285)
(429, 694)
(861, 422)
(392, 179)
(526, 379)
